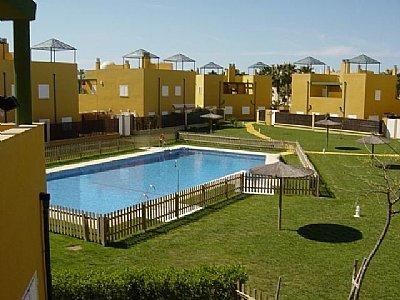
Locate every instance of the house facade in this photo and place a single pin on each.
(359, 94)
(150, 89)
(238, 95)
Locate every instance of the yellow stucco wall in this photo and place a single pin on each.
(144, 90)
(42, 73)
(209, 92)
(21, 250)
(354, 97)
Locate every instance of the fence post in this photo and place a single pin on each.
(316, 185)
(242, 187)
(177, 205)
(100, 147)
(103, 227)
(203, 194)
(226, 188)
(85, 226)
(144, 216)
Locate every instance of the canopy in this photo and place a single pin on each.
(211, 66)
(309, 61)
(327, 122)
(373, 140)
(140, 53)
(366, 60)
(54, 45)
(258, 65)
(281, 170)
(181, 58)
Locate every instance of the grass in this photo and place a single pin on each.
(245, 232)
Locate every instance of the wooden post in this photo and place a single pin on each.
(144, 221)
(242, 182)
(177, 205)
(280, 203)
(226, 188)
(103, 229)
(278, 288)
(85, 226)
(203, 194)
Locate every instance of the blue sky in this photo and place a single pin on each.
(241, 32)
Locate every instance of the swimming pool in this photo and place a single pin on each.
(113, 185)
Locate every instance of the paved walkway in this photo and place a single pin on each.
(250, 129)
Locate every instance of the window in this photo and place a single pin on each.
(123, 90)
(164, 91)
(43, 91)
(377, 95)
(178, 90)
(93, 90)
(228, 110)
(245, 110)
(66, 123)
(200, 90)
(13, 90)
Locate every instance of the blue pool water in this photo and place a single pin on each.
(114, 185)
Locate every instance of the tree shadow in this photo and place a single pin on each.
(330, 233)
(347, 148)
(392, 166)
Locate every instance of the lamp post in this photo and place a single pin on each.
(177, 169)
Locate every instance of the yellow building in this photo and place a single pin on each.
(54, 88)
(22, 260)
(150, 89)
(239, 95)
(359, 94)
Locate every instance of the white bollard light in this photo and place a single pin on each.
(358, 211)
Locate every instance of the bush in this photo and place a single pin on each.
(149, 283)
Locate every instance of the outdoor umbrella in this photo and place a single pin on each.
(327, 122)
(211, 117)
(373, 140)
(281, 170)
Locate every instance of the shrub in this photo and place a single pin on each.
(149, 283)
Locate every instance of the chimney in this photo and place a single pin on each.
(231, 73)
(328, 70)
(146, 60)
(394, 71)
(345, 68)
(97, 63)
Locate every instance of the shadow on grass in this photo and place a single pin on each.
(392, 167)
(349, 148)
(330, 233)
(167, 227)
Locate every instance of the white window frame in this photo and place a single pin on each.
(245, 110)
(123, 90)
(178, 90)
(43, 91)
(377, 94)
(165, 91)
(228, 110)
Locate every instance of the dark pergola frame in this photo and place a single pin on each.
(310, 61)
(211, 66)
(140, 54)
(364, 60)
(258, 65)
(181, 58)
(53, 46)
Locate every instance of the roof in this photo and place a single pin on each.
(281, 170)
(309, 61)
(17, 10)
(179, 58)
(211, 65)
(258, 65)
(140, 53)
(363, 59)
(53, 45)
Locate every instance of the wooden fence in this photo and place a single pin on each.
(122, 223)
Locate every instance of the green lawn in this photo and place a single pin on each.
(245, 232)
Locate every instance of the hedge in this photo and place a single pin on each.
(148, 283)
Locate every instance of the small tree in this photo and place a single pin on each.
(389, 187)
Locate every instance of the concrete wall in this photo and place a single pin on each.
(21, 247)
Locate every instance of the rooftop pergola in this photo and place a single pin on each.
(140, 54)
(180, 58)
(310, 62)
(364, 60)
(257, 66)
(211, 66)
(53, 46)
